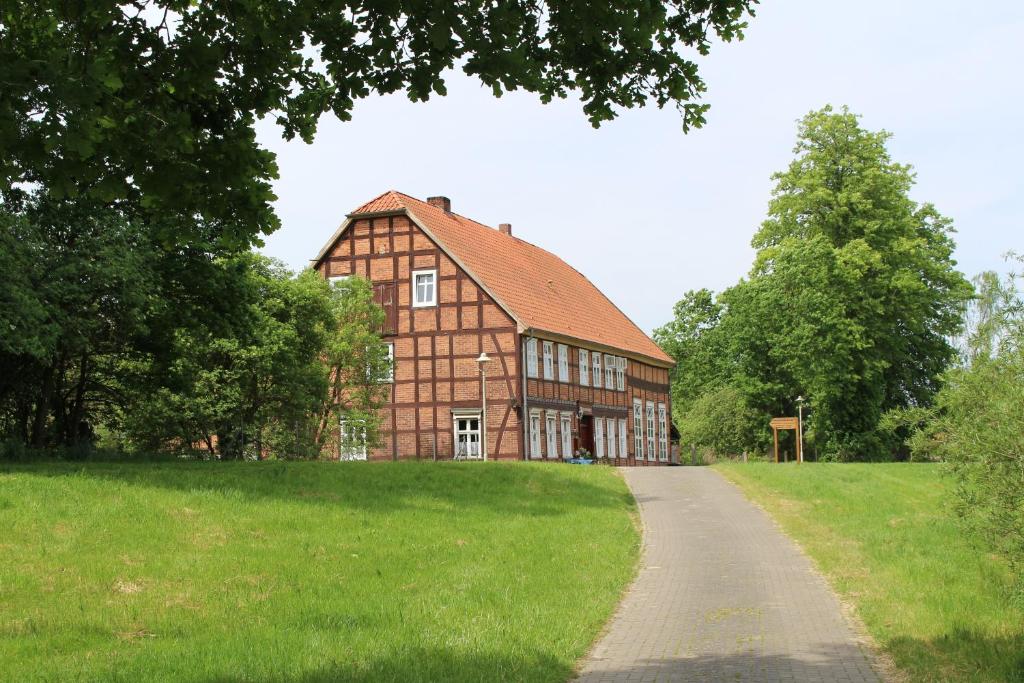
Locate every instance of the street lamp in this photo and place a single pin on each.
(800, 429)
(482, 361)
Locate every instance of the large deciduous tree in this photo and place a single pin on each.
(270, 369)
(853, 296)
(152, 103)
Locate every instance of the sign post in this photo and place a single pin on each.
(793, 423)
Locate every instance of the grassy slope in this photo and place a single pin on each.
(307, 571)
(885, 536)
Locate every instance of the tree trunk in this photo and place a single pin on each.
(77, 408)
(42, 408)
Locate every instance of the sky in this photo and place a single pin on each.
(648, 212)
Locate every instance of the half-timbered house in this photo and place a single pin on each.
(568, 371)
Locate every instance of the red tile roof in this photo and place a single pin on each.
(538, 288)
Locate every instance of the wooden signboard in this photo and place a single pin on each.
(778, 423)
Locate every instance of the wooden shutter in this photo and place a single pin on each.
(385, 294)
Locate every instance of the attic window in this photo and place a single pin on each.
(424, 288)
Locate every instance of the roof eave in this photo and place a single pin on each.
(598, 346)
(461, 264)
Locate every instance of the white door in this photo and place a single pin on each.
(467, 438)
(566, 436)
(535, 435)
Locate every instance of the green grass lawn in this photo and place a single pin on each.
(886, 537)
(194, 571)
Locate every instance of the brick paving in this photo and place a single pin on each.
(722, 595)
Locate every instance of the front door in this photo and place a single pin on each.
(586, 438)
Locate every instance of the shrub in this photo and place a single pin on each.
(978, 429)
(720, 422)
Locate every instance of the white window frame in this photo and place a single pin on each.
(549, 360)
(610, 362)
(416, 303)
(609, 424)
(336, 279)
(531, 357)
(598, 437)
(390, 377)
(563, 363)
(536, 449)
(596, 375)
(620, 374)
(623, 444)
(650, 431)
(356, 450)
(638, 429)
(662, 433)
(584, 368)
(551, 431)
(565, 424)
(467, 415)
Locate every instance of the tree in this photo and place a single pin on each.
(720, 421)
(77, 288)
(267, 373)
(977, 423)
(152, 103)
(690, 339)
(853, 284)
(852, 299)
(358, 368)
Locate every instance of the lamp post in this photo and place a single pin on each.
(800, 429)
(483, 360)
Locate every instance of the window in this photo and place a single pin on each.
(535, 451)
(424, 288)
(638, 430)
(620, 374)
(599, 437)
(549, 369)
(650, 431)
(662, 433)
(612, 451)
(550, 423)
(338, 279)
(622, 439)
(385, 295)
(584, 367)
(353, 440)
(597, 370)
(563, 363)
(609, 371)
(566, 435)
(467, 436)
(390, 376)
(531, 357)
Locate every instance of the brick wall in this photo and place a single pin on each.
(648, 383)
(435, 347)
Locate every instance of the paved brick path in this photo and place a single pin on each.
(722, 595)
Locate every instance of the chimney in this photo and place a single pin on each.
(505, 228)
(442, 203)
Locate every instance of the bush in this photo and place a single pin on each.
(720, 423)
(978, 429)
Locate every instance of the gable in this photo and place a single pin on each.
(541, 292)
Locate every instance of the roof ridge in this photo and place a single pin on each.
(514, 273)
